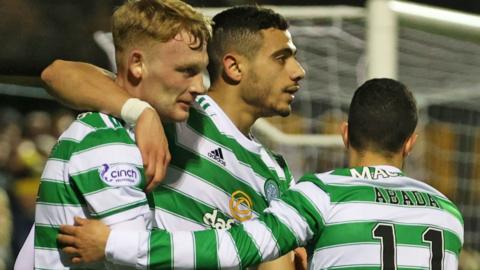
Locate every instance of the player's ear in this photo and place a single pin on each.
(232, 67)
(344, 132)
(409, 143)
(136, 66)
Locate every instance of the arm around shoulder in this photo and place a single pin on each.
(84, 86)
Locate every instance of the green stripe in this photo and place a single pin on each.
(200, 100)
(181, 204)
(209, 172)
(204, 125)
(92, 119)
(285, 238)
(45, 236)
(246, 247)
(63, 150)
(89, 182)
(118, 209)
(206, 250)
(160, 251)
(450, 208)
(115, 122)
(306, 209)
(59, 193)
(361, 232)
(103, 137)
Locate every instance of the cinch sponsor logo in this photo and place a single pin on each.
(119, 175)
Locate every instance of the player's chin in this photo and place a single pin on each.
(284, 111)
(180, 115)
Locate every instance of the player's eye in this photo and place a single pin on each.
(189, 71)
(281, 59)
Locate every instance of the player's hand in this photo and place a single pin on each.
(153, 145)
(86, 241)
(300, 258)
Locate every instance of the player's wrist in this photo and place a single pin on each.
(132, 109)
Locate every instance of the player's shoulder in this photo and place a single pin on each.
(319, 179)
(98, 120)
(98, 127)
(330, 180)
(327, 176)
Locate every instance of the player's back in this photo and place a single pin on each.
(217, 176)
(377, 217)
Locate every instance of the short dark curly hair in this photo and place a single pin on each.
(238, 29)
(382, 116)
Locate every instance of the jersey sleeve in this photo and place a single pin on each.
(106, 170)
(292, 221)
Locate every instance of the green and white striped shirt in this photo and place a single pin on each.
(353, 218)
(94, 171)
(217, 176)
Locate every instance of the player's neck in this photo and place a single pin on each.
(239, 113)
(122, 81)
(370, 158)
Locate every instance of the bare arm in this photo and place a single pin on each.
(84, 86)
(285, 262)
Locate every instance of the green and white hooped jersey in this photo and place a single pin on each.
(353, 218)
(94, 171)
(217, 176)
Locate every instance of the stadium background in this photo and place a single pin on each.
(440, 65)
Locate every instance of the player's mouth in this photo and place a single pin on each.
(291, 90)
(185, 105)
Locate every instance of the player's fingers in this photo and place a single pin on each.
(80, 221)
(66, 240)
(163, 165)
(168, 158)
(72, 251)
(154, 180)
(160, 169)
(150, 187)
(145, 155)
(68, 229)
(150, 167)
(163, 159)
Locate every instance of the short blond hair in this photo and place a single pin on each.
(140, 21)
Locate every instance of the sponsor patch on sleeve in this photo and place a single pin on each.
(119, 175)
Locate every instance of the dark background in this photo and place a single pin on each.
(34, 33)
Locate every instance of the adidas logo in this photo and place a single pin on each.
(217, 155)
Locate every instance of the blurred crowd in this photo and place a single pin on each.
(26, 139)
